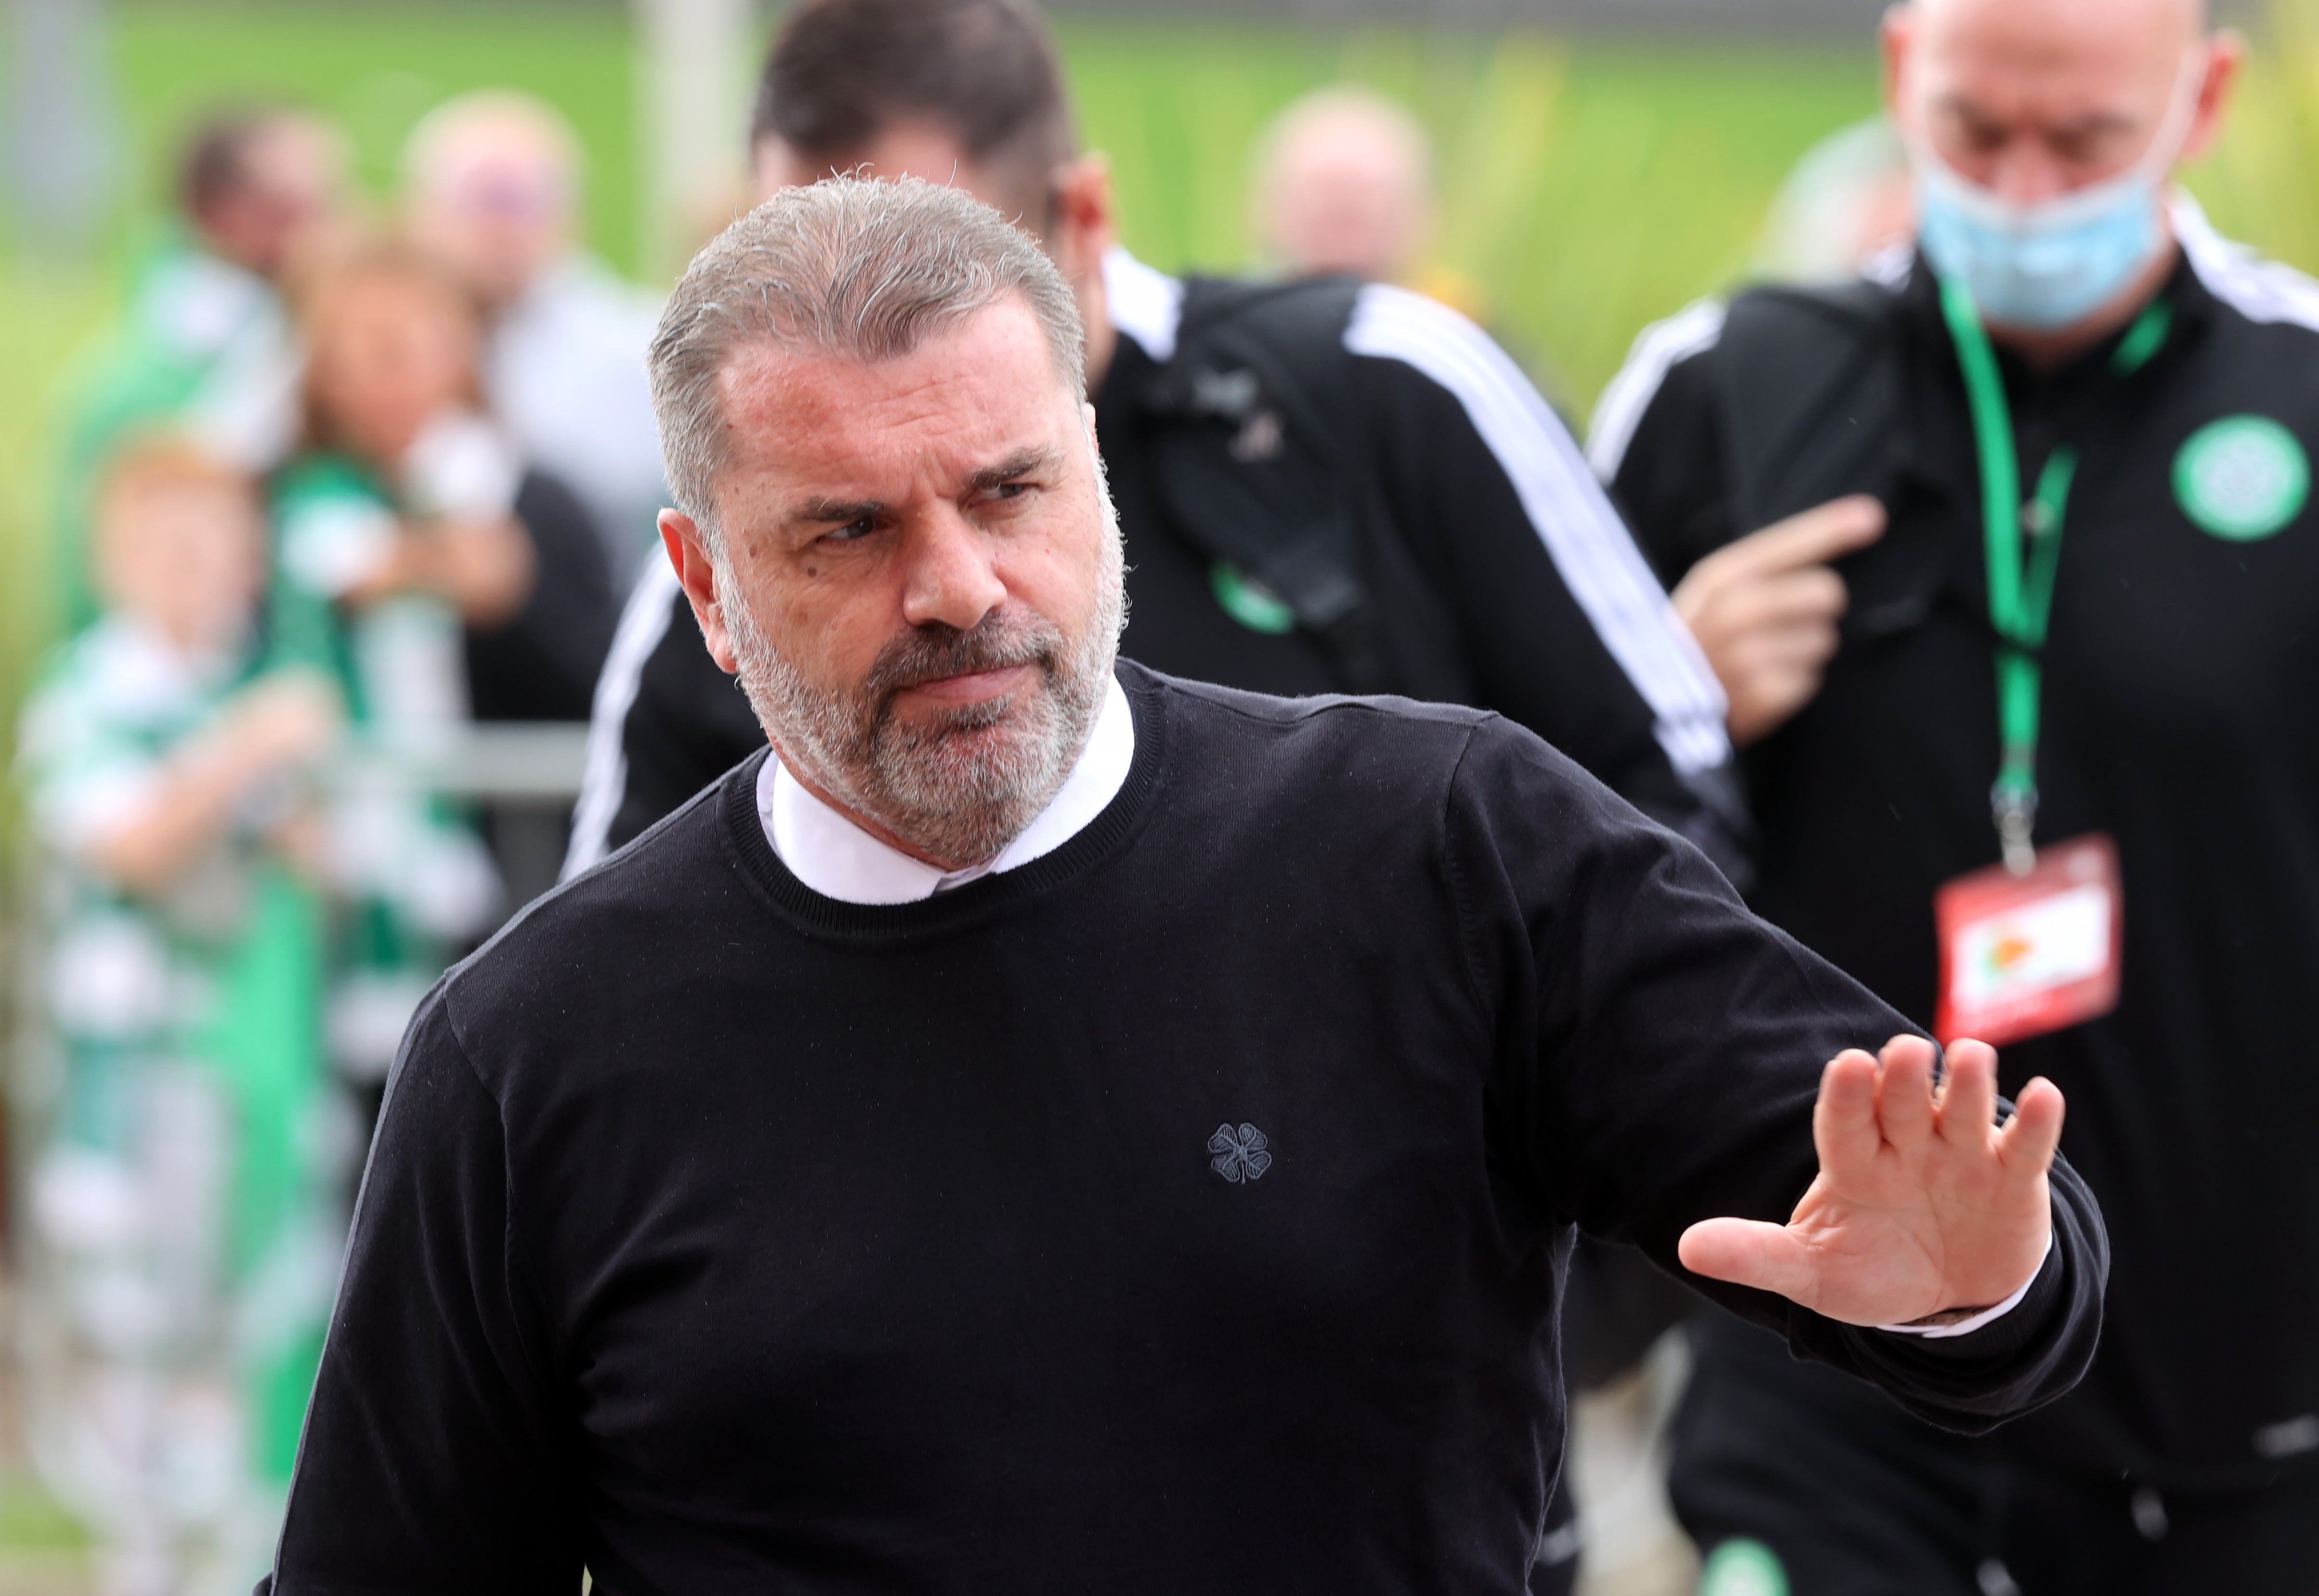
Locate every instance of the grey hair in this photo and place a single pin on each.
(846, 266)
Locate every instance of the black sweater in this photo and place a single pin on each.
(1186, 1208)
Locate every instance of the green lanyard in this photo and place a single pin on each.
(2021, 581)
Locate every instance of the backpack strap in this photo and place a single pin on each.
(1258, 467)
(1810, 393)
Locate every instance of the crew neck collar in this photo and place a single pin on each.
(1093, 841)
(828, 851)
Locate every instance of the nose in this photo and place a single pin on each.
(2027, 174)
(952, 577)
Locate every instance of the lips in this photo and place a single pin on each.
(968, 685)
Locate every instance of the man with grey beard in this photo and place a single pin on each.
(1044, 1126)
(925, 775)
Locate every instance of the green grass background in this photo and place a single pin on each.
(1589, 185)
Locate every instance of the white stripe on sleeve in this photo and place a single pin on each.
(2259, 290)
(604, 780)
(1658, 349)
(1590, 546)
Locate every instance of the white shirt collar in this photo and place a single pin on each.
(835, 857)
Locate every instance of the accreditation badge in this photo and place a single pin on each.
(2022, 954)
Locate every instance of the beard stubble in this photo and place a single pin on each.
(957, 784)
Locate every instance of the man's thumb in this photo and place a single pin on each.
(1749, 1252)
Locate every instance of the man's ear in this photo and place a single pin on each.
(774, 167)
(1894, 35)
(687, 552)
(1085, 223)
(2226, 54)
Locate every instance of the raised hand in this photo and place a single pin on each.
(1924, 1207)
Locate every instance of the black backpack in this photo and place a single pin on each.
(1810, 397)
(1260, 464)
(1815, 406)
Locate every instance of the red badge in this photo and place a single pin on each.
(2024, 954)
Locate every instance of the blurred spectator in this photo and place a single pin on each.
(452, 511)
(492, 191)
(1344, 183)
(441, 579)
(1849, 200)
(204, 342)
(183, 1243)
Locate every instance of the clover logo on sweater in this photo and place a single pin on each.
(1238, 1154)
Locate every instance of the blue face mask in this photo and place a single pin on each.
(2053, 263)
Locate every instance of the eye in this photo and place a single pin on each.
(1006, 490)
(852, 532)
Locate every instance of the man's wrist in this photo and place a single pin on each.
(1964, 1322)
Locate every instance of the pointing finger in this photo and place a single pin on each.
(2029, 1139)
(1843, 1120)
(1967, 1102)
(1749, 1252)
(1904, 1094)
(1814, 538)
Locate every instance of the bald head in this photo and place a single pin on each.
(491, 186)
(1344, 183)
(2035, 98)
(2193, 11)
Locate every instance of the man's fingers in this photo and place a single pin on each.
(1904, 1094)
(1968, 1104)
(1814, 597)
(1749, 1252)
(1818, 535)
(1786, 650)
(2029, 1139)
(1765, 610)
(1843, 1120)
(1799, 545)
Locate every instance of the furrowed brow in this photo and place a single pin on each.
(834, 511)
(1023, 463)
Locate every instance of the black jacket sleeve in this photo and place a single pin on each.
(1659, 444)
(667, 721)
(1568, 631)
(1659, 1053)
(436, 1451)
(542, 663)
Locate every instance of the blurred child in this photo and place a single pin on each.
(441, 581)
(407, 488)
(185, 1248)
(202, 344)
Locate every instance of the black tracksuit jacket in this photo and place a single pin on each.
(2181, 716)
